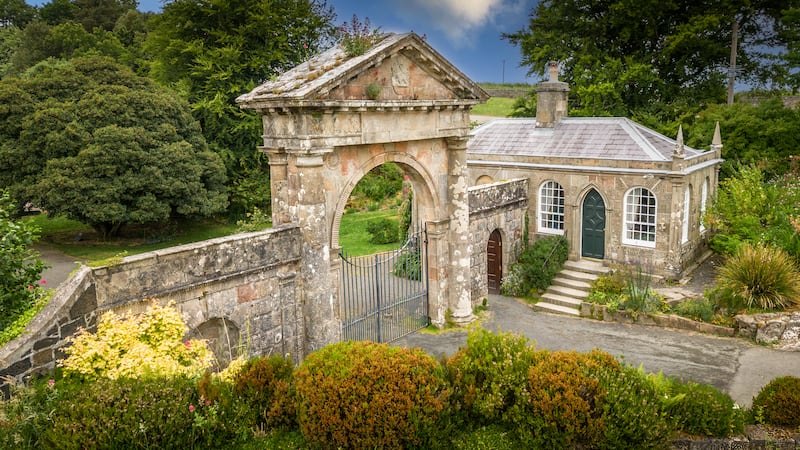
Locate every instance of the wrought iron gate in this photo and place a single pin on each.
(385, 296)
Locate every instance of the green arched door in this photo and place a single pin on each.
(593, 226)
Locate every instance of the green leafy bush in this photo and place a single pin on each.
(367, 395)
(20, 265)
(701, 309)
(408, 265)
(632, 415)
(383, 231)
(379, 184)
(158, 412)
(256, 220)
(536, 266)
(759, 276)
(265, 385)
(778, 403)
(560, 405)
(485, 374)
(701, 409)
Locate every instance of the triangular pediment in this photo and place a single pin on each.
(399, 69)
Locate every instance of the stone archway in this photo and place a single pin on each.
(322, 132)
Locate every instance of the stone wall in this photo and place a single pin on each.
(246, 283)
(496, 206)
(779, 329)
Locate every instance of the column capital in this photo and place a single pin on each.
(310, 158)
(457, 142)
(276, 156)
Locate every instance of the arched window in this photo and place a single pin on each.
(703, 201)
(685, 225)
(640, 218)
(551, 208)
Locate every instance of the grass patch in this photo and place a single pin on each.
(79, 241)
(487, 85)
(353, 234)
(495, 107)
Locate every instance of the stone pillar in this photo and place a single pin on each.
(437, 260)
(320, 299)
(458, 234)
(278, 185)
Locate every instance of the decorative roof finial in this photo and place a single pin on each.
(716, 141)
(679, 143)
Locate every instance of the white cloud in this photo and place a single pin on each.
(458, 19)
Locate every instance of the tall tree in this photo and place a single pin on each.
(649, 53)
(15, 13)
(212, 51)
(89, 140)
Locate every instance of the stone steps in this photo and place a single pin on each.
(570, 287)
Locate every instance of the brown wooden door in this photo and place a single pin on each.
(494, 262)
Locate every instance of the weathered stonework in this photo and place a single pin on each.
(779, 329)
(399, 102)
(246, 283)
(498, 206)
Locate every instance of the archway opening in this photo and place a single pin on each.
(378, 212)
(222, 338)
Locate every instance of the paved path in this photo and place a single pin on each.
(61, 265)
(730, 364)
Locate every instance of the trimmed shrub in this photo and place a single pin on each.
(383, 231)
(778, 403)
(632, 415)
(759, 277)
(266, 386)
(367, 395)
(560, 406)
(701, 409)
(485, 374)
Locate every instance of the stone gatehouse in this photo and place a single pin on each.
(618, 191)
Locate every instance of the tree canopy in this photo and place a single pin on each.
(636, 58)
(212, 51)
(90, 140)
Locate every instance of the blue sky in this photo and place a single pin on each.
(466, 32)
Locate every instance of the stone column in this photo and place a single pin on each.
(278, 185)
(458, 234)
(320, 300)
(438, 256)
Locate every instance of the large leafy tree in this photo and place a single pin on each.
(212, 51)
(90, 140)
(632, 58)
(766, 134)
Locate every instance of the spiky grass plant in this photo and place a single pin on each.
(758, 276)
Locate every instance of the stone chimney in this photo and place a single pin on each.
(551, 98)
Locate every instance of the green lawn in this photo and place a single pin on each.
(77, 240)
(495, 107)
(353, 236)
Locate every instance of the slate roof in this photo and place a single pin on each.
(614, 138)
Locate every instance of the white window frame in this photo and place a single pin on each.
(687, 196)
(551, 208)
(640, 219)
(703, 204)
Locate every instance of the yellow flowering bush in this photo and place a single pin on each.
(130, 346)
